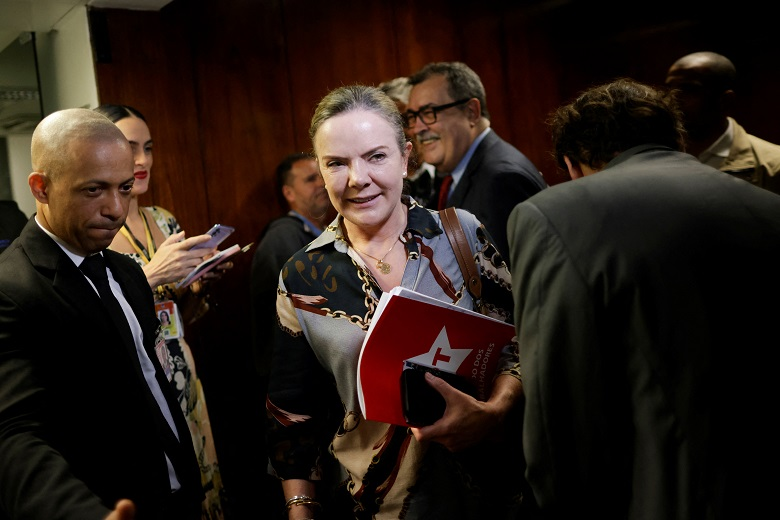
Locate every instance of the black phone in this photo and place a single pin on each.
(422, 404)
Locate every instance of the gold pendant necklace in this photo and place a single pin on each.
(383, 266)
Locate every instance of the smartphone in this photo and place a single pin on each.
(422, 404)
(218, 233)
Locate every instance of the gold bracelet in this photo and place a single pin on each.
(301, 500)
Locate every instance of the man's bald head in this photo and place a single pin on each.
(82, 179)
(54, 137)
(704, 85)
(713, 70)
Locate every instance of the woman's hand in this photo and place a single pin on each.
(217, 272)
(175, 258)
(466, 420)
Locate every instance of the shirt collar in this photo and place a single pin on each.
(309, 225)
(77, 259)
(719, 150)
(457, 173)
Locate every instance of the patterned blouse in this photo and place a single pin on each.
(325, 302)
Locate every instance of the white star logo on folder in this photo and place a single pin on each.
(441, 356)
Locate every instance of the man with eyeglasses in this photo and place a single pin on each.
(475, 169)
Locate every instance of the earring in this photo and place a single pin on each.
(404, 174)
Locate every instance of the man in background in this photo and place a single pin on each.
(642, 323)
(87, 415)
(705, 85)
(299, 181)
(476, 170)
(12, 220)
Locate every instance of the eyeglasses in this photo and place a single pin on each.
(428, 113)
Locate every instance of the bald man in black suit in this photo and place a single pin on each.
(88, 418)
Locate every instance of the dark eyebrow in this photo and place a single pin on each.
(422, 108)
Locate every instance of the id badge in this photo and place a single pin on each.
(169, 318)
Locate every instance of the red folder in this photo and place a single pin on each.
(411, 326)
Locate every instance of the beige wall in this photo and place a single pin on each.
(20, 167)
(65, 64)
(67, 77)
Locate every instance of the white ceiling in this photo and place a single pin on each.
(19, 16)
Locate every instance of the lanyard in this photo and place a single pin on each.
(137, 245)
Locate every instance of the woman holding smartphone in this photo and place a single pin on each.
(152, 236)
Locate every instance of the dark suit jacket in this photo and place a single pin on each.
(281, 239)
(497, 178)
(79, 428)
(646, 308)
(12, 220)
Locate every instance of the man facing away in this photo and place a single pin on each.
(705, 85)
(476, 170)
(645, 331)
(87, 415)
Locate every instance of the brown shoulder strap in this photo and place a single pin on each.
(457, 238)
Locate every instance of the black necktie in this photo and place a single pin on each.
(94, 267)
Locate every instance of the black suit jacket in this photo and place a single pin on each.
(12, 220)
(281, 239)
(79, 428)
(497, 178)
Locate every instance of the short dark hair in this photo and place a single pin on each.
(284, 169)
(118, 112)
(462, 81)
(608, 119)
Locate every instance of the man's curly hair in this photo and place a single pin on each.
(608, 119)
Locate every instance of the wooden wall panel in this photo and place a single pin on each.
(150, 69)
(244, 111)
(326, 51)
(527, 86)
(435, 30)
